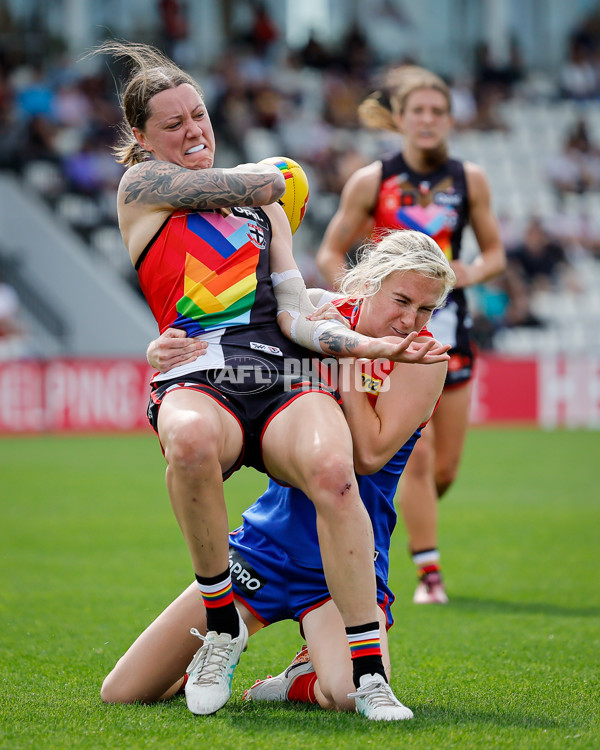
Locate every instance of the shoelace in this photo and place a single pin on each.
(379, 695)
(211, 659)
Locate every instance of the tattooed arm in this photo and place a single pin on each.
(346, 343)
(149, 192)
(162, 185)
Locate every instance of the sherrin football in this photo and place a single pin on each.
(295, 198)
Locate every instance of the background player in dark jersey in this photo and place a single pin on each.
(422, 188)
(204, 247)
(274, 557)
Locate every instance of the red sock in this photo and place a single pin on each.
(303, 688)
(425, 569)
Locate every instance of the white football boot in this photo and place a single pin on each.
(375, 700)
(210, 672)
(278, 688)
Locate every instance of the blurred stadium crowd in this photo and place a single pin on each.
(537, 138)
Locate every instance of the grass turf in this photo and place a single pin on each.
(90, 552)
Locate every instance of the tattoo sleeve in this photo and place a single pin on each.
(339, 342)
(165, 183)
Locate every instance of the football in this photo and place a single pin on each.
(295, 198)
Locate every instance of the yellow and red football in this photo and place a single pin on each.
(295, 198)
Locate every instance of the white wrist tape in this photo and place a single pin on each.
(292, 298)
(277, 278)
(307, 333)
(290, 293)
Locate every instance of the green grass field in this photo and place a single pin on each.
(90, 552)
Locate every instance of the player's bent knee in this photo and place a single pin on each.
(111, 692)
(191, 443)
(331, 476)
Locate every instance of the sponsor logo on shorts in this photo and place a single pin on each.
(258, 346)
(243, 574)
